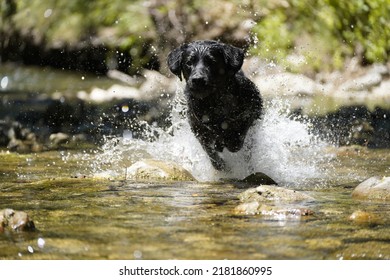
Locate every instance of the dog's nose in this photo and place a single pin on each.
(198, 81)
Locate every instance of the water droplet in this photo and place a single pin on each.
(137, 254)
(41, 242)
(30, 249)
(125, 108)
(4, 82)
(47, 13)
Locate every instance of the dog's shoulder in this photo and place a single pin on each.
(245, 83)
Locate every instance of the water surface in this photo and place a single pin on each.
(85, 207)
(100, 218)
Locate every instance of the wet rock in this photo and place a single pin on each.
(155, 170)
(277, 212)
(18, 138)
(377, 188)
(261, 200)
(58, 138)
(266, 193)
(259, 178)
(365, 218)
(248, 208)
(15, 220)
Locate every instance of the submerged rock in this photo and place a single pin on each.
(155, 170)
(373, 188)
(280, 213)
(365, 218)
(266, 193)
(261, 200)
(15, 220)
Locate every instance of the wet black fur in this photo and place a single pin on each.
(222, 102)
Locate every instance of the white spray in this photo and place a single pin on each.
(281, 147)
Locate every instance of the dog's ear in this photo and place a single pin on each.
(175, 59)
(234, 57)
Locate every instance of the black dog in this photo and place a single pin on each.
(222, 102)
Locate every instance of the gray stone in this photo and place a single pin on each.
(287, 84)
(268, 201)
(362, 83)
(155, 170)
(376, 188)
(273, 211)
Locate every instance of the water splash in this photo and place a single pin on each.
(277, 145)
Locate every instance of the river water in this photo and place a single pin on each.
(85, 207)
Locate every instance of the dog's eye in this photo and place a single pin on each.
(190, 61)
(209, 60)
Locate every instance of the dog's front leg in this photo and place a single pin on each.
(217, 162)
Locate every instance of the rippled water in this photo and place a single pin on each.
(91, 218)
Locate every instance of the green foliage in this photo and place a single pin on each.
(275, 40)
(324, 32)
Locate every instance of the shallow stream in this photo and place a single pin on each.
(84, 206)
(97, 218)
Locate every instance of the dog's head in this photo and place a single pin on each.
(205, 63)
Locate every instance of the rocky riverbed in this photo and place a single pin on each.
(91, 217)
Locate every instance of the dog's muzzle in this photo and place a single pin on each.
(198, 82)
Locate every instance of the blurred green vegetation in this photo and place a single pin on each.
(326, 32)
(323, 33)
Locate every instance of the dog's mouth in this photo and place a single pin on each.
(200, 94)
(197, 87)
(200, 88)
